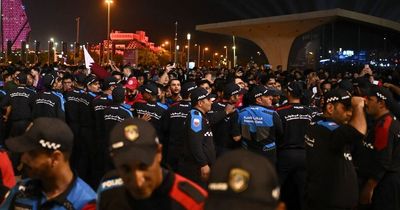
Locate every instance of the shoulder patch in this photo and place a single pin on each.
(328, 124)
(196, 121)
(191, 191)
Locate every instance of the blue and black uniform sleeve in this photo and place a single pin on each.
(196, 137)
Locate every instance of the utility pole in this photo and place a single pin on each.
(234, 52)
(77, 28)
(176, 42)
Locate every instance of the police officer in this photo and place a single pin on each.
(242, 179)
(100, 103)
(46, 148)
(331, 178)
(72, 115)
(49, 103)
(19, 103)
(226, 130)
(150, 107)
(199, 150)
(140, 182)
(113, 114)
(380, 160)
(174, 124)
(116, 112)
(291, 162)
(86, 165)
(260, 126)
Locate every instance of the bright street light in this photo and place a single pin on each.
(108, 2)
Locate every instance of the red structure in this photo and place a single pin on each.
(128, 44)
(14, 24)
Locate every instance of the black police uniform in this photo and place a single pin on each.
(199, 149)
(72, 118)
(21, 100)
(155, 111)
(331, 178)
(114, 114)
(100, 103)
(49, 104)
(224, 129)
(380, 160)
(86, 165)
(173, 125)
(291, 162)
(174, 193)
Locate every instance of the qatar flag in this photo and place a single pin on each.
(93, 67)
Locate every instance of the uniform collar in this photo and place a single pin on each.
(63, 197)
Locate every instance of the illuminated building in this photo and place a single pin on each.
(14, 24)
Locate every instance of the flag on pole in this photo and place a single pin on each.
(93, 67)
(88, 59)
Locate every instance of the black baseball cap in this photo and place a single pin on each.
(338, 96)
(43, 132)
(91, 79)
(133, 139)
(199, 94)
(118, 94)
(22, 78)
(296, 89)
(382, 94)
(48, 80)
(188, 87)
(149, 88)
(232, 89)
(242, 179)
(109, 81)
(80, 78)
(261, 90)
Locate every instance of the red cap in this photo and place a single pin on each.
(132, 83)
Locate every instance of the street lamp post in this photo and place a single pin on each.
(215, 59)
(226, 54)
(108, 2)
(198, 54)
(176, 41)
(204, 49)
(188, 50)
(234, 56)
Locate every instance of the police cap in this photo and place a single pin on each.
(242, 179)
(43, 132)
(133, 140)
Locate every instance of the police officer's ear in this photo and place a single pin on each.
(159, 153)
(57, 157)
(329, 108)
(258, 100)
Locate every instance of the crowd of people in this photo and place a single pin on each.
(172, 138)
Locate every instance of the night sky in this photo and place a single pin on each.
(56, 18)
